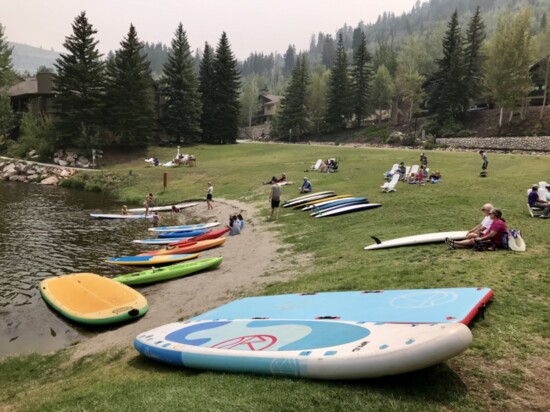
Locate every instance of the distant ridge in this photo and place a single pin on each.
(29, 58)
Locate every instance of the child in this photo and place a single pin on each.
(156, 219)
(124, 210)
(240, 220)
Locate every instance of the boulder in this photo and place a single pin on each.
(17, 178)
(51, 180)
(62, 163)
(65, 173)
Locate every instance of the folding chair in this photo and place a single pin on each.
(390, 186)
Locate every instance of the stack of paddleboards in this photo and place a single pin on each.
(326, 204)
(138, 213)
(170, 235)
(339, 335)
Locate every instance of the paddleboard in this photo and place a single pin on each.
(157, 241)
(417, 240)
(211, 234)
(119, 216)
(184, 227)
(151, 260)
(315, 201)
(444, 305)
(309, 195)
(162, 208)
(307, 199)
(168, 272)
(92, 299)
(328, 203)
(326, 208)
(313, 349)
(347, 209)
(182, 233)
(188, 247)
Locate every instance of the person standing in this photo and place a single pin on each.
(275, 199)
(156, 219)
(485, 163)
(209, 193)
(148, 202)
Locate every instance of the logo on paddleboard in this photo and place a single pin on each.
(249, 343)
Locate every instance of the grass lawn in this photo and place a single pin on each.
(505, 369)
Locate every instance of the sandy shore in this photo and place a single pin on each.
(252, 260)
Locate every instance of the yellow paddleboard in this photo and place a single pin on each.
(93, 299)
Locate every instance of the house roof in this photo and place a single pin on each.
(26, 86)
(270, 98)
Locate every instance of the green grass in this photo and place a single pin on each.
(503, 368)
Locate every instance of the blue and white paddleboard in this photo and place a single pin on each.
(119, 216)
(184, 227)
(314, 349)
(330, 203)
(391, 306)
(347, 209)
(182, 233)
(327, 208)
(157, 241)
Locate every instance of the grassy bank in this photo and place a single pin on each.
(506, 367)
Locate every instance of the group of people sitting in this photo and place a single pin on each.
(236, 224)
(536, 201)
(490, 234)
(328, 166)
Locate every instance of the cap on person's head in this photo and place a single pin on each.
(305, 177)
(535, 187)
(488, 207)
(496, 212)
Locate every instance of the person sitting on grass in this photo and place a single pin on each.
(435, 176)
(535, 201)
(491, 240)
(306, 186)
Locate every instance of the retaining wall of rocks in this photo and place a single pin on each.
(523, 143)
(31, 172)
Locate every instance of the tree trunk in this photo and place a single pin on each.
(395, 110)
(379, 115)
(545, 89)
(500, 118)
(511, 115)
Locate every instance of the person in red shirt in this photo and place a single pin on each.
(491, 239)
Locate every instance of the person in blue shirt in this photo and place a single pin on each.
(306, 186)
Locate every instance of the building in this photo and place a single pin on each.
(32, 91)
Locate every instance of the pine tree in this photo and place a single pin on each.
(79, 85)
(338, 92)
(7, 118)
(182, 110)
(446, 96)
(328, 52)
(474, 59)
(226, 84)
(290, 60)
(293, 114)
(129, 98)
(361, 77)
(207, 97)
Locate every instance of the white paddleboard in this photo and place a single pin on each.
(347, 209)
(307, 199)
(419, 240)
(316, 349)
(184, 227)
(119, 216)
(161, 208)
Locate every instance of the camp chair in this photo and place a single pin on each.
(410, 172)
(542, 190)
(391, 172)
(390, 186)
(317, 165)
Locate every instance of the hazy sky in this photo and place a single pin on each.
(251, 25)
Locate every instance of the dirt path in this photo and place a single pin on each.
(251, 260)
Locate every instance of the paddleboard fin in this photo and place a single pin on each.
(378, 241)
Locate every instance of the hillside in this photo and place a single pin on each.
(29, 58)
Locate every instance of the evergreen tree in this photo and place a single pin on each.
(293, 114)
(328, 52)
(446, 95)
(474, 59)
(182, 108)
(357, 39)
(79, 86)
(226, 84)
(129, 98)
(338, 91)
(6, 68)
(385, 56)
(7, 118)
(206, 91)
(290, 60)
(361, 77)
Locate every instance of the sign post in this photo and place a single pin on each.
(164, 181)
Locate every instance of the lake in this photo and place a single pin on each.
(47, 231)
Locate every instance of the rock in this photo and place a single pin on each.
(62, 163)
(51, 180)
(33, 178)
(65, 173)
(17, 178)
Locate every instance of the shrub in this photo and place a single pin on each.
(73, 183)
(37, 133)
